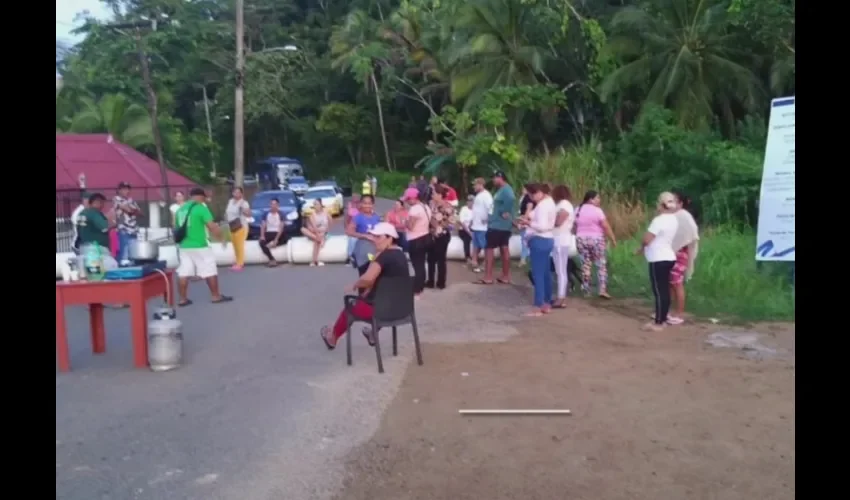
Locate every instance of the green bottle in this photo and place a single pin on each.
(94, 262)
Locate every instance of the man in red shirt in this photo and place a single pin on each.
(451, 194)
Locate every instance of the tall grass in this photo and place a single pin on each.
(582, 169)
(726, 282)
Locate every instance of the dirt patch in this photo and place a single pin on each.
(655, 416)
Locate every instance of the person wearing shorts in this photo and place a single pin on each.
(499, 227)
(686, 241)
(482, 206)
(196, 256)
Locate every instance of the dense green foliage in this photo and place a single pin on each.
(629, 97)
(463, 86)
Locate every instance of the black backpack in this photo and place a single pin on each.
(180, 231)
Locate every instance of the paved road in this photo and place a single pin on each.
(261, 410)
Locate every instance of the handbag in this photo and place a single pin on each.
(235, 224)
(428, 239)
(180, 231)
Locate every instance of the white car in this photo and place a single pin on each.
(331, 199)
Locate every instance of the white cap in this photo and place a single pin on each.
(384, 229)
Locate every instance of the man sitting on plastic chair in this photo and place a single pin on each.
(388, 262)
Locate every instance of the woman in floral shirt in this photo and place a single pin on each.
(443, 220)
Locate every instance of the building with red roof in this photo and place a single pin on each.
(106, 162)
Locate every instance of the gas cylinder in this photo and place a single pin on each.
(165, 340)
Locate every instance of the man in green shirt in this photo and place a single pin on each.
(92, 225)
(499, 227)
(196, 255)
(93, 228)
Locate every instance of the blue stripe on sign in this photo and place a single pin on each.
(782, 102)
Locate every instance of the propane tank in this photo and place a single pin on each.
(165, 340)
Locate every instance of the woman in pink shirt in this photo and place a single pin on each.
(398, 218)
(591, 228)
(419, 238)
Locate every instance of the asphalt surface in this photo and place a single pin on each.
(260, 409)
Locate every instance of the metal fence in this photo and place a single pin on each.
(148, 199)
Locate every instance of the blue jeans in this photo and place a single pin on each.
(402, 241)
(539, 252)
(350, 246)
(524, 252)
(124, 240)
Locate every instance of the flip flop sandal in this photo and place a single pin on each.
(367, 333)
(559, 306)
(324, 332)
(184, 304)
(482, 282)
(504, 281)
(224, 298)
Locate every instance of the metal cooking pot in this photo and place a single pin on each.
(144, 251)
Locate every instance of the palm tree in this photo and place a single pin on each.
(417, 36)
(492, 47)
(114, 114)
(680, 54)
(355, 48)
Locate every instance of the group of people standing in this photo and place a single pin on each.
(122, 222)
(552, 229)
(423, 222)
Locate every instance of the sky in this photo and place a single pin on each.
(67, 10)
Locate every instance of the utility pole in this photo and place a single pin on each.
(209, 127)
(239, 99)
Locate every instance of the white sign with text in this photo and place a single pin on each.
(775, 240)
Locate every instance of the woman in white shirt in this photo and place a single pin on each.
(538, 226)
(238, 212)
(564, 241)
(464, 231)
(179, 199)
(317, 230)
(657, 247)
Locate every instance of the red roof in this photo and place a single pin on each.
(105, 163)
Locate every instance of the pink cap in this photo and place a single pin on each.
(411, 194)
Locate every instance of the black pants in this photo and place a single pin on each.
(418, 251)
(264, 245)
(659, 278)
(466, 238)
(437, 261)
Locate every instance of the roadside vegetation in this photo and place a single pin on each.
(628, 98)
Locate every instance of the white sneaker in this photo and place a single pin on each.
(321, 264)
(674, 320)
(312, 264)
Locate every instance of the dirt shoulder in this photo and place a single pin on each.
(655, 416)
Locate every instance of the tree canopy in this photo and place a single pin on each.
(444, 85)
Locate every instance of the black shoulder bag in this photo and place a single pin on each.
(180, 231)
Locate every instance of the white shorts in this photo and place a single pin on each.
(198, 262)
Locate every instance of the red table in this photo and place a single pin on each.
(96, 293)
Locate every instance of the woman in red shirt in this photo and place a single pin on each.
(451, 194)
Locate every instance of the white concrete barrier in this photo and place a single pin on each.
(297, 251)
